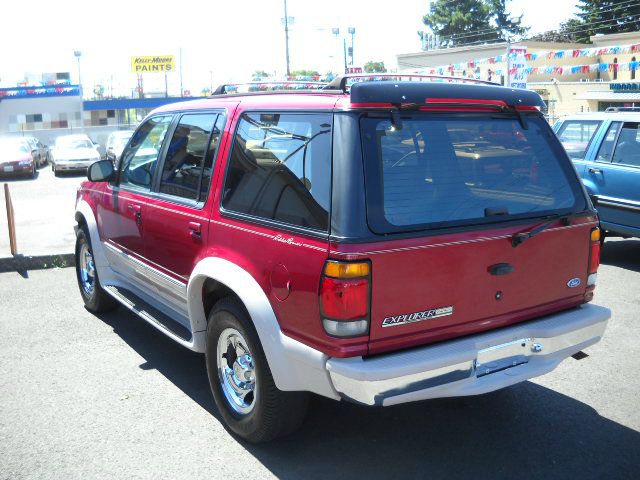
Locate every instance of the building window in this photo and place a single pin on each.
(615, 68)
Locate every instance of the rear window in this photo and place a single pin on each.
(443, 169)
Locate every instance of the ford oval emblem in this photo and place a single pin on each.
(573, 283)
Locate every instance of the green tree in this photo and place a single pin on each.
(374, 67)
(566, 33)
(605, 16)
(462, 22)
(305, 73)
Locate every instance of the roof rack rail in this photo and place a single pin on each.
(271, 86)
(340, 82)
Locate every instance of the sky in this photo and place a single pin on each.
(220, 41)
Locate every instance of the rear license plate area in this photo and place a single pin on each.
(8, 169)
(501, 357)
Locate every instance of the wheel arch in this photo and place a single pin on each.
(294, 365)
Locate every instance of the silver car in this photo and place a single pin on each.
(116, 143)
(73, 153)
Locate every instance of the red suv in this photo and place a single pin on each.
(380, 242)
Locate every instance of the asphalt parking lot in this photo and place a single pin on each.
(44, 212)
(110, 397)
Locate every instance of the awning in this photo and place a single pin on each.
(607, 96)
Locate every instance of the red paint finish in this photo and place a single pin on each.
(416, 275)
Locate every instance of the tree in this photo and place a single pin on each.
(259, 74)
(606, 16)
(566, 33)
(374, 67)
(463, 22)
(305, 73)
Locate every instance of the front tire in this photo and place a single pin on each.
(95, 299)
(243, 388)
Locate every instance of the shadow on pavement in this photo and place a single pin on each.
(622, 253)
(526, 431)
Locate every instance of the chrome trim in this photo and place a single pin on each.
(472, 365)
(619, 203)
(147, 275)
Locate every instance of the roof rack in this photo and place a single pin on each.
(271, 86)
(622, 109)
(340, 82)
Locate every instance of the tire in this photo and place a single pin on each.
(55, 171)
(34, 172)
(265, 412)
(95, 299)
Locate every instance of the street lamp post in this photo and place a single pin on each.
(78, 54)
(352, 32)
(286, 36)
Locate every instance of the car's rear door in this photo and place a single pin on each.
(613, 178)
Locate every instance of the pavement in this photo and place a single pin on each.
(44, 210)
(88, 397)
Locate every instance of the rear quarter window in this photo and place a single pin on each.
(576, 135)
(445, 170)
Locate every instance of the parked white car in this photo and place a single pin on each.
(73, 153)
(116, 143)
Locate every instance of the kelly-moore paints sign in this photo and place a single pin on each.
(164, 63)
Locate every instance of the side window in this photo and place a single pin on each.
(627, 150)
(280, 168)
(604, 154)
(189, 160)
(575, 136)
(141, 156)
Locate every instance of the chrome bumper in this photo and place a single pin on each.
(74, 165)
(472, 365)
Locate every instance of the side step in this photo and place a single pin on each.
(148, 312)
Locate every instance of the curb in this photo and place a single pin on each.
(21, 263)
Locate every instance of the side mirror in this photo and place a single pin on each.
(101, 171)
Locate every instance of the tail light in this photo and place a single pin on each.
(594, 262)
(344, 298)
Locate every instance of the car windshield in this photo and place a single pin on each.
(438, 170)
(575, 136)
(73, 143)
(10, 148)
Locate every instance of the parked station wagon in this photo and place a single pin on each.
(378, 242)
(605, 149)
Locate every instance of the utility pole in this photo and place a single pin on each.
(181, 89)
(344, 47)
(286, 36)
(508, 63)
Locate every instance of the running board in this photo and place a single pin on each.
(149, 313)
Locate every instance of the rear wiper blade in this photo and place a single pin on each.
(522, 237)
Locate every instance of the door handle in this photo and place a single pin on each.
(137, 212)
(594, 170)
(195, 230)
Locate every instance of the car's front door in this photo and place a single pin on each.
(121, 217)
(613, 178)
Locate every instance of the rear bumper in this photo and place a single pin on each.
(471, 365)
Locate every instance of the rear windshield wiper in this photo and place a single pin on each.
(522, 237)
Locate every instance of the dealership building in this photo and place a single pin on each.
(570, 77)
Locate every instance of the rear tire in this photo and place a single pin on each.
(95, 299)
(245, 393)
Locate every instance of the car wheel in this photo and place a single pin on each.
(243, 388)
(34, 171)
(95, 298)
(55, 171)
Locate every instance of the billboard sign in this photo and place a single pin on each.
(153, 64)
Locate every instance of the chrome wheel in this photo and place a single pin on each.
(236, 371)
(87, 270)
